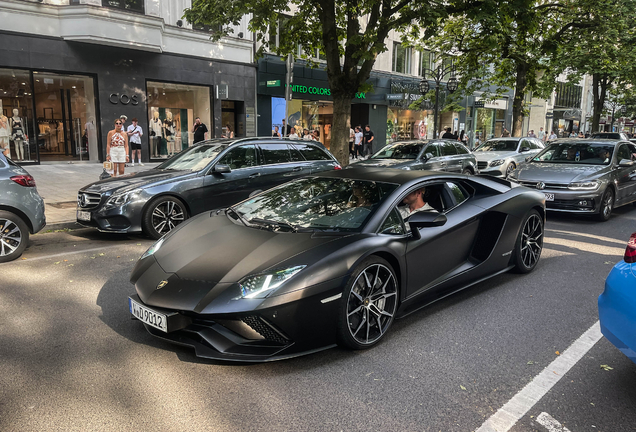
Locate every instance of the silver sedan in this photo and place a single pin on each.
(501, 156)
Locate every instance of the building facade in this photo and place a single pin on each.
(69, 69)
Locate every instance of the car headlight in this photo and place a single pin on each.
(588, 186)
(119, 199)
(496, 162)
(154, 248)
(253, 286)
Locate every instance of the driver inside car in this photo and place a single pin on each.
(414, 203)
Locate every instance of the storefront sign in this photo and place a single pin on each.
(297, 88)
(479, 104)
(123, 99)
(221, 91)
(395, 96)
(250, 121)
(501, 104)
(549, 114)
(273, 83)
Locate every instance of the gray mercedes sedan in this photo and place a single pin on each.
(430, 155)
(586, 176)
(210, 175)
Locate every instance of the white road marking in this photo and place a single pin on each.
(506, 417)
(66, 254)
(546, 420)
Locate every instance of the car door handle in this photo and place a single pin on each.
(442, 163)
(255, 175)
(297, 169)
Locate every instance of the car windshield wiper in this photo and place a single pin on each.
(238, 216)
(275, 225)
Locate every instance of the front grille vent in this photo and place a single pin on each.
(264, 329)
(482, 165)
(88, 200)
(533, 185)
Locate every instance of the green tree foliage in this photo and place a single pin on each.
(349, 34)
(510, 44)
(606, 51)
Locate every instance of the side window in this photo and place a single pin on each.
(457, 194)
(311, 153)
(393, 224)
(623, 153)
(632, 150)
(240, 157)
(448, 149)
(461, 149)
(538, 144)
(295, 154)
(524, 143)
(275, 153)
(433, 149)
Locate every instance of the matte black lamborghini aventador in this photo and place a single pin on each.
(329, 259)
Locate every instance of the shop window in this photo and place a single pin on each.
(401, 58)
(172, 110)
(128, 5)
(17, 137)
(232, 119)
(65, 114)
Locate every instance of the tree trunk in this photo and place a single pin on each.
(520, 95)
(340, 128)
(599, 93)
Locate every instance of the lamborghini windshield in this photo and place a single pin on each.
(327, 204)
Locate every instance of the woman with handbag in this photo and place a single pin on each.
(117, 148)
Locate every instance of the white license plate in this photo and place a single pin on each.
(548, 196)
(83, 215)
(148, 316)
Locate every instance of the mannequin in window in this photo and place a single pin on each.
(156, 132)
(168, 132)
(5, 133)
(17, 134)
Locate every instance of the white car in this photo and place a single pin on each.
(501, 156)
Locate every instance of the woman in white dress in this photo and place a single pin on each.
(117, 148)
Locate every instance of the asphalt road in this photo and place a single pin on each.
(72, 359)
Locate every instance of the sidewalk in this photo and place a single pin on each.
(58, 185)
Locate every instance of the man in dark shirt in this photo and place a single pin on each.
(448, 134)
(200, 131)
(368, 140)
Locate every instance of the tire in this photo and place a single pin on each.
(607, 205)
(529, 243)
(372, 291)
(510, 168)
(162, 215)
(467, 171)
(14, 236)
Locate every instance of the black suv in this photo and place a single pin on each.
(210, 175)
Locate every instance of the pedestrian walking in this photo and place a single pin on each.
(368, 141)
(307, 135)
(135, 133)
(276, 133)
(200, 131)
(462, 137)
(448, 134)
(541, 135)
(358, 142)
(552, 135)
(315, 135)
(286, 129)
(229, 133)
(293, 134)
(352, 139)
(505, 133)
(117, 148)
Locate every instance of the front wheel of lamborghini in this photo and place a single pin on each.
(369, 304)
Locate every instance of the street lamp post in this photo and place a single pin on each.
(437, 74)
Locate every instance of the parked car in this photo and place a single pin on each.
(432, 155)
(210, 175)
(21, 209)
(583, 176)
(500, 156)
(610, 135)
(617, 304)
(329, 259)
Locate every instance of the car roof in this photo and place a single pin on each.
(234, 141)
(386, 175)
(506, 139)
(587, 141)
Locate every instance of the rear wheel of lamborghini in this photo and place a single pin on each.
(369, 303)
(529, 243)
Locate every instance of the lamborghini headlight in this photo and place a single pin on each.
(154, 248)
(496, 162)
(585, 186)
(253, 286)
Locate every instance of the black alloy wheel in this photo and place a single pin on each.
(510, 168)
(162, 215)
(607, 205)
(14, 236)
(529, 243)
(368, 305)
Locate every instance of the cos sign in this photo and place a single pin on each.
(123, 98)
